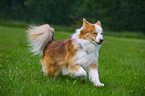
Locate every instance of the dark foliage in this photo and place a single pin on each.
(118, 15)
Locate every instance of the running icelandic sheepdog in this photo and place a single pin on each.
(74, 56)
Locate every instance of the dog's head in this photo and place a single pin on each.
(92, 32)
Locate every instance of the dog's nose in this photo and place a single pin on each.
(101, 40)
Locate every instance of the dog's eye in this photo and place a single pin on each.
(101, 33)
(94, 33)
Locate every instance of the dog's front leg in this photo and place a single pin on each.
(94, 76)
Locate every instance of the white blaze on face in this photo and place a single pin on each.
(99, 30)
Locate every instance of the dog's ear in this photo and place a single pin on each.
(85, 22)
(99, 23)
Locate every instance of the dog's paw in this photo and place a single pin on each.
(99, 84)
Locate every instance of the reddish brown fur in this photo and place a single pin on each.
(57, 55)
(93, 66)
(88, 31)
(99, 23)
(74, 68)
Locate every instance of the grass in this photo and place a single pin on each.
(18, 24)
(121, 69)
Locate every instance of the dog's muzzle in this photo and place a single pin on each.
(98, 43)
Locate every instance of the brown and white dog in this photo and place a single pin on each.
(74, 56)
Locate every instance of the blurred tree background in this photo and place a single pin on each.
(116, 15)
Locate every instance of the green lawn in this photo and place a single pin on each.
(121, 69)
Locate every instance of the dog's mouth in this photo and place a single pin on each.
(96, 43)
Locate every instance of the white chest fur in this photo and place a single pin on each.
(87, 55)
(89, 52)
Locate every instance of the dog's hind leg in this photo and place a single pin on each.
(49, 67)
(53, 70)
(75, 71)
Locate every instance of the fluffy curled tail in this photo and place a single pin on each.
(39, 36)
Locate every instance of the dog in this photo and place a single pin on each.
(75, 56)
